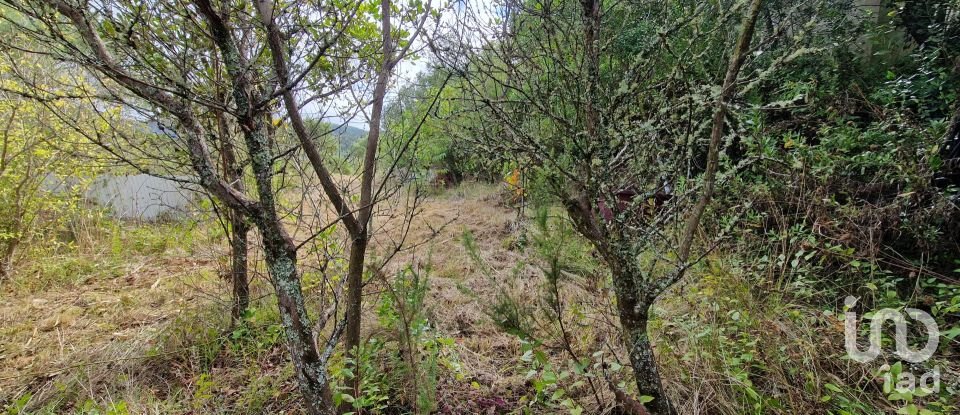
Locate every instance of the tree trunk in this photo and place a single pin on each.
(644, 363)
(239, 228)
(279, 249)
(633, 306)
(281, 256)
(634, 310)
(358, 247)
(6, 259)
(358, 250)
(238, 265)
(311, 370)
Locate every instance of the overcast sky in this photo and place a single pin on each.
(408, 70)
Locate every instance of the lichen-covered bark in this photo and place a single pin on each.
(279, 250)
(281, 257)
(312, 375)
(633, 307)
(644, 365)
(634, 295)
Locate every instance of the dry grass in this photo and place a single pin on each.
(101, 335)
(65, 339)
(147, 329)
(459, 291)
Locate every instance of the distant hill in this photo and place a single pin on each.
(348, 136)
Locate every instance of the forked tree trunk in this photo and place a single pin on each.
(281, 256)
(311, 368)
(279, 249)
(634, 309)
(633, 305)
(634, 300)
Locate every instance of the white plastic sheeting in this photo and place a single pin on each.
(141, 197)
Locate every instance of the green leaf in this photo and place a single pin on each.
(897, 396)
(896, 369)
(549, 377)
(557, 394)
(952, 333)
(909, 410)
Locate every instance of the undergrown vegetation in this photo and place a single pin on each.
(585, 207)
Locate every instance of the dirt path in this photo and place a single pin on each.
(459, 289)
